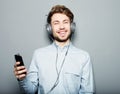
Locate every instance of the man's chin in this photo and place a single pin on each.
(61, 40)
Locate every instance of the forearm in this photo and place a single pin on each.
(27, 86)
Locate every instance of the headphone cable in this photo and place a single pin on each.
(58, 72)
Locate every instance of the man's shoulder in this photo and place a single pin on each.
(79, 51)
(44, 49)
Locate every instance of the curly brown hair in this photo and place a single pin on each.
(60, 9)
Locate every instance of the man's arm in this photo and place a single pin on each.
(87, 83)
(28, 82)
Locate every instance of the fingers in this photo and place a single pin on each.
(16, 64)
(20, 71)
(21, 77)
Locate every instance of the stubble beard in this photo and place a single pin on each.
(62, 40)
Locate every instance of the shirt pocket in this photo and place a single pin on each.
(72, 81)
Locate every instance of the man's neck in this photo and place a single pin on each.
(62, 44)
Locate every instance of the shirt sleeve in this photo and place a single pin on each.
(30, 84)
(87, 83)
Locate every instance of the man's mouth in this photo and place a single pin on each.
(62, 33)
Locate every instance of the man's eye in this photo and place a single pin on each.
(55, 23)
(66, 22)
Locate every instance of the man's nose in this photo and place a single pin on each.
(61, 26)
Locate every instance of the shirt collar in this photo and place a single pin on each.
(57, 46)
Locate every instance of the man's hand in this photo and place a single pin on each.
(20, 71)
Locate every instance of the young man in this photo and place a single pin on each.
(59, 68)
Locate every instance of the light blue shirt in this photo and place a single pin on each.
(56, 70)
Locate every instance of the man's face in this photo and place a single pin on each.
(60, 27)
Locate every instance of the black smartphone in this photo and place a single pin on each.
(18, 58)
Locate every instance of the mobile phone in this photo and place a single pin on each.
(18, 58)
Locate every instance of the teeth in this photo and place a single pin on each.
(62, 33)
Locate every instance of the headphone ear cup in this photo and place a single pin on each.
(73, 27)
(49, 29)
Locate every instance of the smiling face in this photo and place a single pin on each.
(60, 27)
